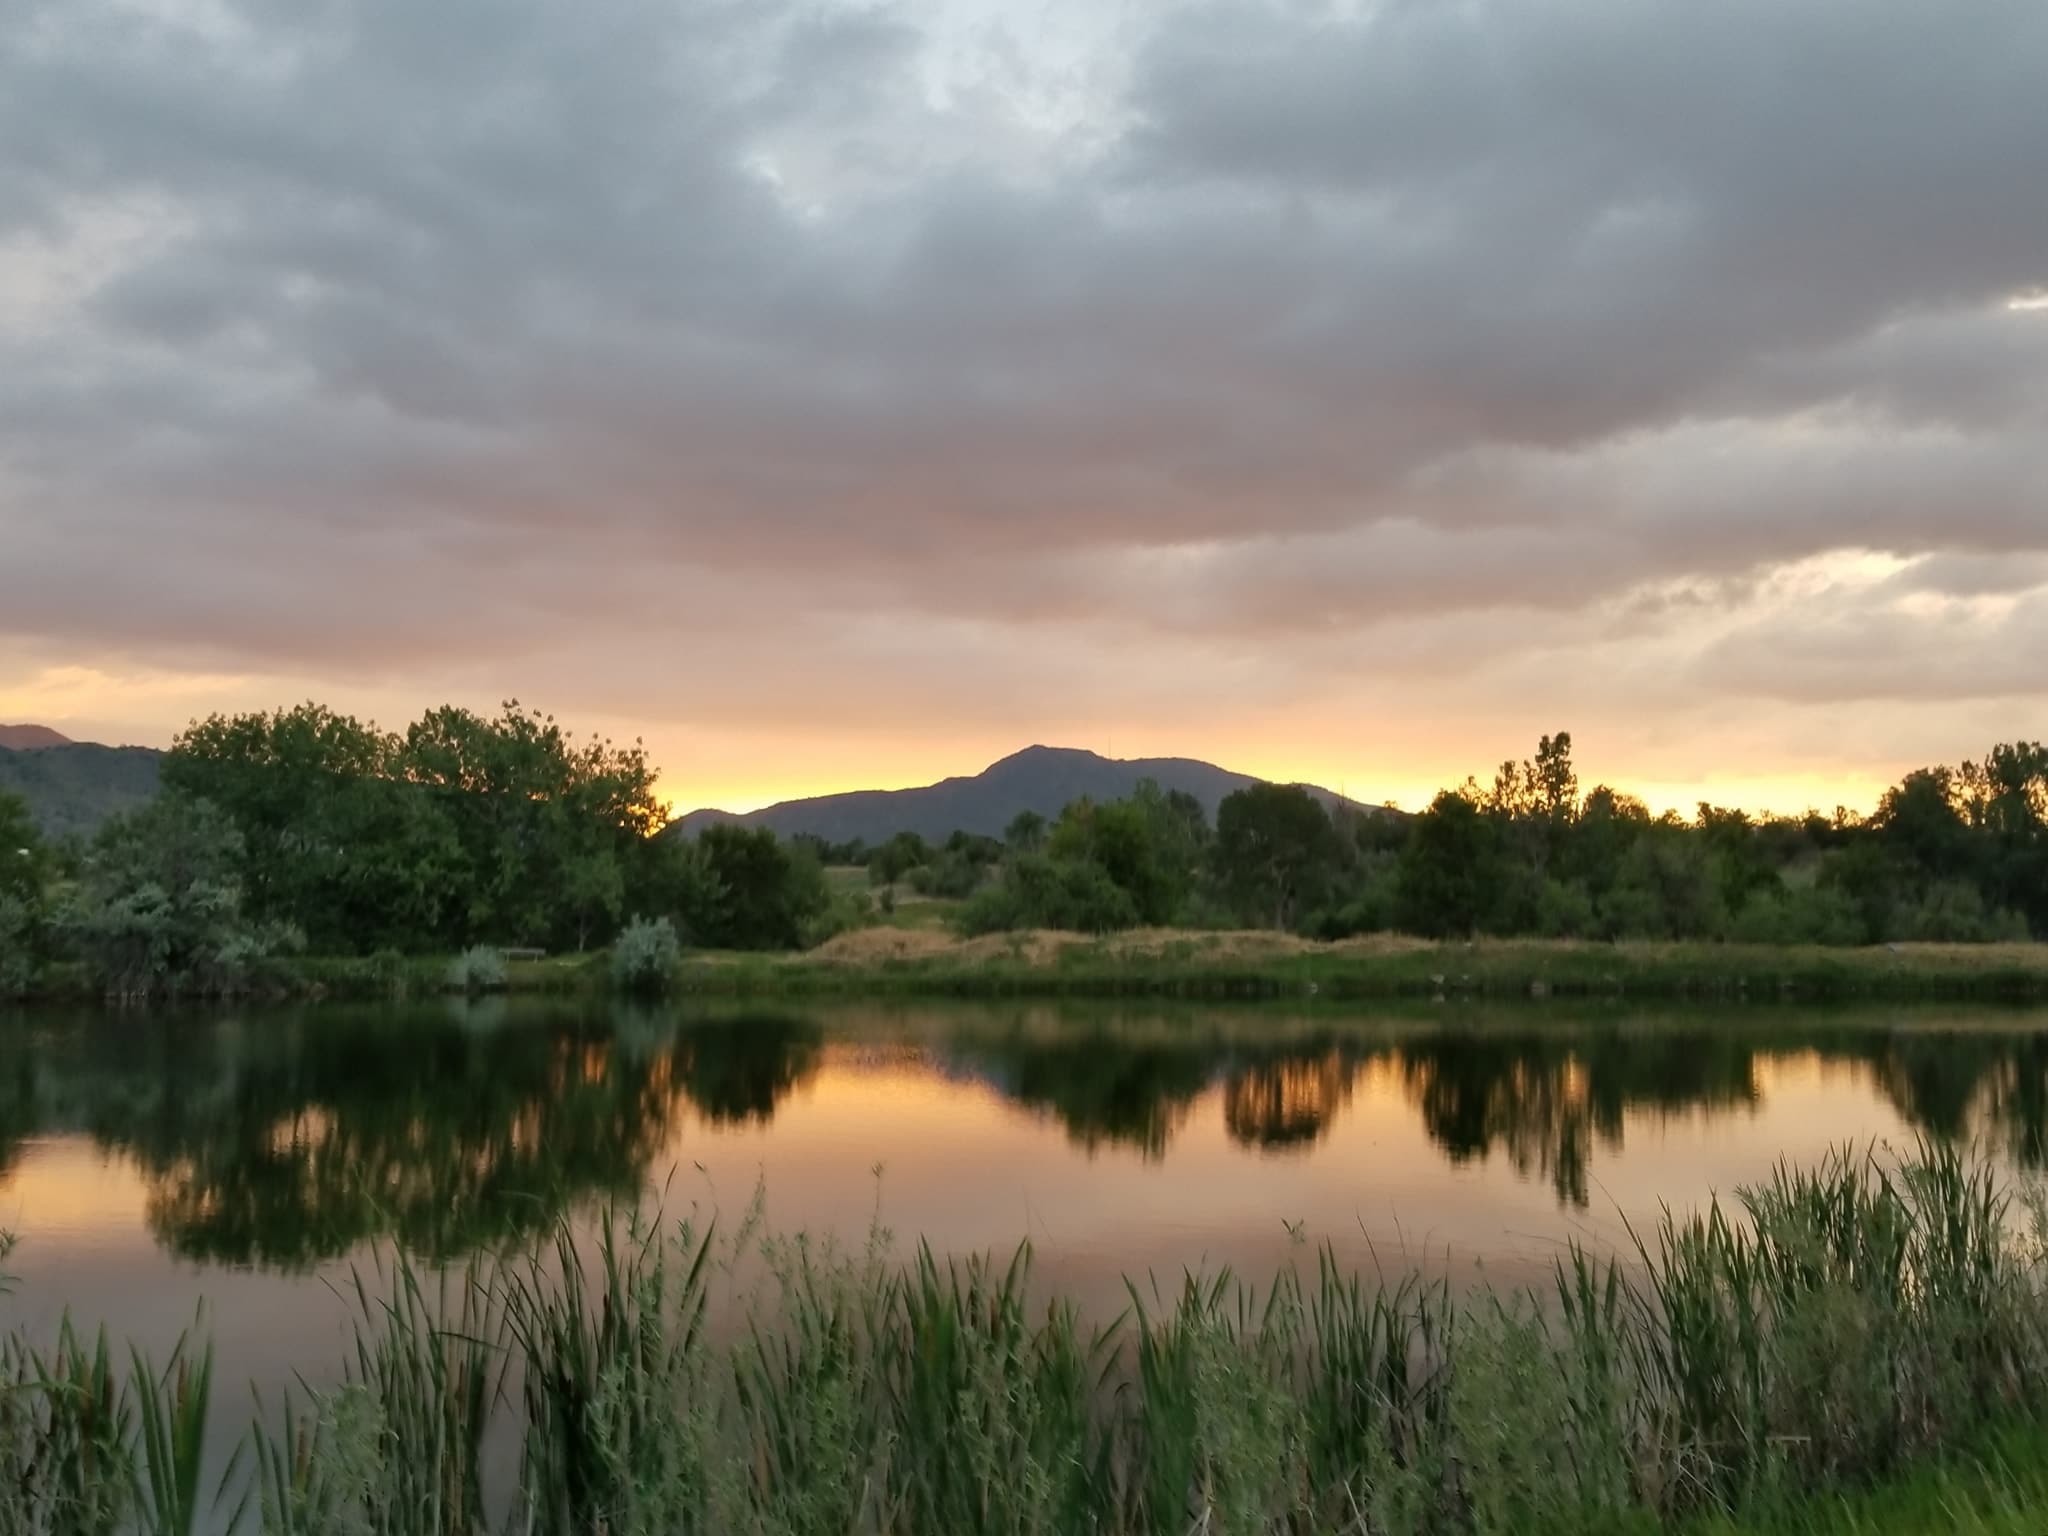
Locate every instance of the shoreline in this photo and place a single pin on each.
(1215, 966)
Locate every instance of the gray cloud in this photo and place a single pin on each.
(379, 334)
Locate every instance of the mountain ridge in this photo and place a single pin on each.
(32, 738)
(74, 787)
(1039, 778)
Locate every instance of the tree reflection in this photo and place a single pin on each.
(285, 1140)
(1105, 1089)
(1288, 1103)
(1546, 1101)
(292, 1141)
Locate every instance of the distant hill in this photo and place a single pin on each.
(74, 786)
(1041, 779)
(30, 738)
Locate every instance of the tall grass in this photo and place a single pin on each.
(1835, 1328)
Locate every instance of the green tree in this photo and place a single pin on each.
(284, 780)
(1276, 852)
(1450, 869)
(767, 892)
(1608, 825)
(1918, 822)
(1025, 833)
(527, 804)
(160, 907)
(896, 858)
(1667, 888)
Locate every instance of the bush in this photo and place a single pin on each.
(1818, 914)
(767, 894)
(1076, 895)
(843, 911)
(1564, 910)
(644, 958)
(480, 968)
(1954, 912)
(385, 972)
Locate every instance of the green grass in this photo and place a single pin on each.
(1213, 965)
(1854, 1327)
(1997, 1489)
(1216, 965)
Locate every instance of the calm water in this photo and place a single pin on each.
(251, 1159)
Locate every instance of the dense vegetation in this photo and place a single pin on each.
(74, 788)
(1850, 1322)
(308, 831)
(1957, 855)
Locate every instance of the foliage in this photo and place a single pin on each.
(760, 893)
(465, 831)
(1448, 876)
(461, 829)
(480, 968)
(644, 956)
(1037, 891)
(1276, 853)
(160, 906)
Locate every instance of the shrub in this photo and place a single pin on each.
(644, 958)
(480, 968)
(1954, 912)
(1077, 895)
(1818, 914)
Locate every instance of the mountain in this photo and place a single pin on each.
(74, 786)
(1041, 779)
(30, 738)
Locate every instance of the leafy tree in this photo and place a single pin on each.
(1918, 823)
(526, 803)
(896, 858)
(299, 787)
(1025, 833)
(1449, 870)
(1608, 826)
(1667, 889)
(1741, 867)
(1038, 891)
(1276, 852)
(767, 891)
(162, 903)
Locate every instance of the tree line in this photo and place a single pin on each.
(308, 830)
(1949, 854)
(305, 830)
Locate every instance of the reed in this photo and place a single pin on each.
(1836, 1328)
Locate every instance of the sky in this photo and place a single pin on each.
(840, 395)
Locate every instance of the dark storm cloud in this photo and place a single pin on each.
(384, 331)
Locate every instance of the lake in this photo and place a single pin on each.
(251, 1158)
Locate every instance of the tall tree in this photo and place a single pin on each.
(1276, 852)
(1450, 870)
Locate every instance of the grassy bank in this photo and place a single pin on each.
(1846, 1329)
(1998, 1487)
(910, 962)
(1172, 963)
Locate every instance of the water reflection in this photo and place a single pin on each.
(285, 1140)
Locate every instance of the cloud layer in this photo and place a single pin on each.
(1357, 383)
